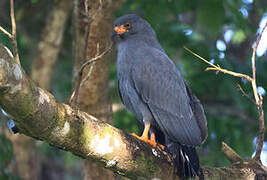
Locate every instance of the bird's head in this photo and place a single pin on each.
(129, 26)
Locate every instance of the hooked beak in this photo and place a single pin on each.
(117, 31)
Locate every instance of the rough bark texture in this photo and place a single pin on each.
(94, 96)
(50, 42)
(38, 115)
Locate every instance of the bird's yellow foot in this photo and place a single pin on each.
(161, 146)
(145, 139)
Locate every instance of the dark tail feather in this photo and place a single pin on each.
(186, 162)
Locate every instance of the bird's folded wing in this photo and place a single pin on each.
(161, 86)
(199, 113)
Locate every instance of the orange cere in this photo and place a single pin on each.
(121, 29)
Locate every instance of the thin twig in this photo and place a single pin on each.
(91, 68)
(12, 36)
(14, 39)
(259, 100)
(253, 82)
(195, 54)
(5, 32)
(97, 11)
(245, 94)
(96, 58)
(90, 19)
(88, 74)
(87, 29)
(74, 96)
(218, 68)
(12, 16)
(229, 72)
(260, 35)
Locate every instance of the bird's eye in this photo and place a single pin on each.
(127, 25)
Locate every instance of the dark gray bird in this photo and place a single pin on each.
(152, 88)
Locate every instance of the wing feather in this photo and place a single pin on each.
(160, 85)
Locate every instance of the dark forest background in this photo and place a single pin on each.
(221, 31)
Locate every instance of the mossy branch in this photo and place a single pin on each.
(37, 114)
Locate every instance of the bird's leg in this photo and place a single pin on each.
(153, 136)
(153, 139)
(144, 136)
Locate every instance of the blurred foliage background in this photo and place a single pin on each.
(220, 31)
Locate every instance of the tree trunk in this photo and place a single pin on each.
(50, 42)
(93, 26)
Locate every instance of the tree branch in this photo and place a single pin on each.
(37, 114)
(245, 94)
(5, 32)
(217, 68)
(230, 154)
(259, 101)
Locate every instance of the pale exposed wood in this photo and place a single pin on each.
(230, 154)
